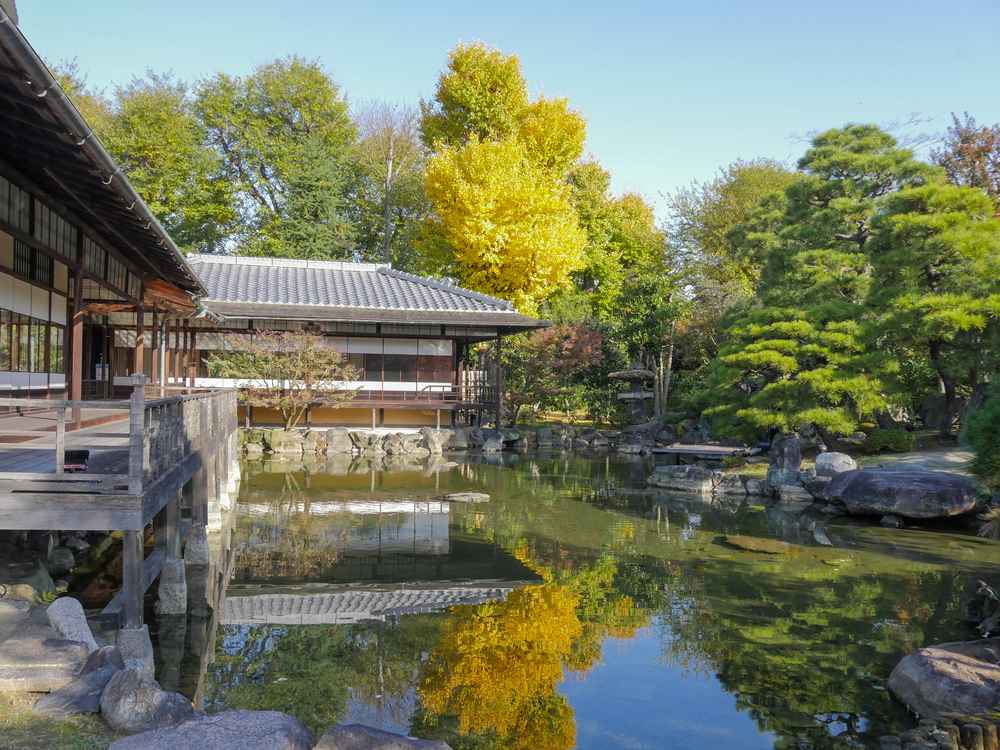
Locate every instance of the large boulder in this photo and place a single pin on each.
(283, 442)
(831, 463)
(909, 493)
(785, 461)
(435, 441)
(693, 478)
(67, 618)
(338, 441)
(962, 678)
(134, 702)
(228, 730)
(360, 737)
(459, 439)
(314, 441)
(393, 444)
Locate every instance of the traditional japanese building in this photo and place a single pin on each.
(408, 336)
(79, 250)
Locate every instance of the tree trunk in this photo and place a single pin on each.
(387, 205)
(947, 384)
(669, 369)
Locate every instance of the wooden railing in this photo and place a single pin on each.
(162, 432)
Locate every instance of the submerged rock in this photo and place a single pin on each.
(758, 544)
(466, 497)
(909, 493)
(693, 478)
(228, 730)
(360, 737)
(962, 678)
(891, 522)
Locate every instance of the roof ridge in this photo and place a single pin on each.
(267, 262)
(445, 286)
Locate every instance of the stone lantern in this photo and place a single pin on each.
(638, 397)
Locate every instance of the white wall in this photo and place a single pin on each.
(26, 299)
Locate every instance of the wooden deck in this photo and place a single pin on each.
(22, 449)
(704, 452)
(142, 456)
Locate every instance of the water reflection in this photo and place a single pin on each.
(573, 609)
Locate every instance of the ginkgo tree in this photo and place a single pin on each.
(503, 219)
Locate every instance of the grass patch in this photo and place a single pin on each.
(21, 729)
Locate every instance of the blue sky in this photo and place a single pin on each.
(671, 90)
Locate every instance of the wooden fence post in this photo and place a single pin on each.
(137, 435)
(60, 440)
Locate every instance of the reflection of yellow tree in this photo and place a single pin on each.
(496, 668)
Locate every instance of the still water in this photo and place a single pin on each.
(573, 609)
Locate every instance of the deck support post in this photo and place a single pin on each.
(132, 579)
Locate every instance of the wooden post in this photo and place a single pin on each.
(499, 384)
(137, 435)
(154, 358)
(175, 358)
(76, 349)
(132, 578)
(60, 440)
(193, 359)
(437, 414)
(139, 366)
(373, 418)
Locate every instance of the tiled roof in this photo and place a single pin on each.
(282, 281)
(351, 606)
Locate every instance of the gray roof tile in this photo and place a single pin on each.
(286, 282)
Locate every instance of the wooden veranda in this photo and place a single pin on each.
(145, 453)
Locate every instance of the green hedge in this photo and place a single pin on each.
(893, 440)
(983, 435)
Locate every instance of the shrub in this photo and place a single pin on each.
(983, 435)
(892, 440)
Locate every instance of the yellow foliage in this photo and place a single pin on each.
(497, 665)
(509, 225)
(553, 135)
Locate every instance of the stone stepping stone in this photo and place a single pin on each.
(39, 664)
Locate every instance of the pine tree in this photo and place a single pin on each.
(796, 355)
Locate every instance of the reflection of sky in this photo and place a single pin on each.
(664, 707)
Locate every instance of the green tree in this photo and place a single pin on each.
(387, 199)
(704, 216)
(935, 252)
(481, 93)
(153, 133)
(283, 132)
(797, 355)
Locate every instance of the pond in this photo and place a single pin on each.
(574, 609)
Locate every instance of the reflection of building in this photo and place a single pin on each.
(365, 541)
(346, 605)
